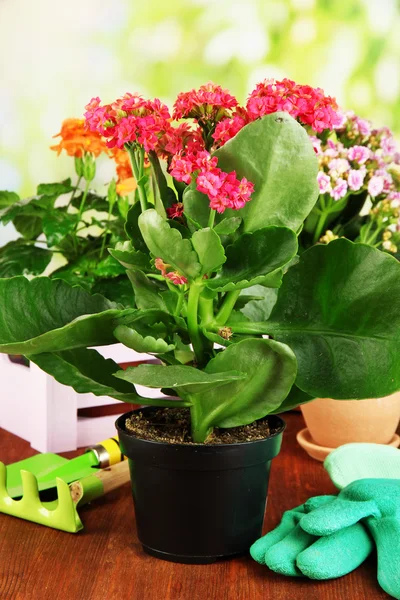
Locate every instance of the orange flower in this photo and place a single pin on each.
(126, 183)
(76, 140)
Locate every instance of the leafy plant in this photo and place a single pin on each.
(211, 284)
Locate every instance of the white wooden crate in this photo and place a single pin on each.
(42, 411)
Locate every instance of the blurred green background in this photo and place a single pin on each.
(56, 55)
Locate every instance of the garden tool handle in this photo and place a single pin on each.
(99, 483)
(107, 452)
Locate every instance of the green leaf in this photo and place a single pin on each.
(196, 206)
(228, 226)
(86, 371)
(339, 310)
(29, 227)
(57, 224)
(254, 255)
(270, 369)
(132, 228)
(36, 206)
(209, 250)
(129, 257)
(260, 309)
(217, 339)
(45, 315)
(295, 398)
(167, 243)
(274, 153)
(19, 258)
(146, 292)
(186, 379)
(182, 352)
(116, 289)
(55, 189)
(8, 198)
(132, 339)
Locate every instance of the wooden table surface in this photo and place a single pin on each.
(105, 561)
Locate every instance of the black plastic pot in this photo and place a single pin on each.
(199, 503)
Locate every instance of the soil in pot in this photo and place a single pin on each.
(197, 503)
(172, 425)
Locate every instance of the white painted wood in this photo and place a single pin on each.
(44, 412)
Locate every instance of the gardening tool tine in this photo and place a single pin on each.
(30, 490)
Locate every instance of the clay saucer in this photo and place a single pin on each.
(321, 452)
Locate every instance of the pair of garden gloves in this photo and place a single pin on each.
(330, 536)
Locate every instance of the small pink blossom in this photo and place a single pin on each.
(175, 211)
(338, 166)
(394, 198)
(176, 278)
(364, 126)
(209, 183)
(376, 185)
(388, 145)
(340, 189)
(161, 266)
(359, 154)
(316, 142)
(229, 127)
(181, 169)
(209, 103)
(355, 179)
(324, 182)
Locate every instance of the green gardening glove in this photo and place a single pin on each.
(289, 550)
(375, 502)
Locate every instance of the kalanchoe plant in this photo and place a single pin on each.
(359, 182)
(66, 228)
(212, 258)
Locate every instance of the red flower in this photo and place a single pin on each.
(175, 211)
(209, 103)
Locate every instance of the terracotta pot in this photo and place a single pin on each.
(332, 423)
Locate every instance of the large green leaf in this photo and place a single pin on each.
(132, 339)
(85, 371)
(129, 257)
(274, 153)
(167, 243)
(260, 309)
(19, 257)
(8, 198)
(58, 223)
(209, 250)
(270, 369)
(339, 310)
(253, 256)
(147, 294)
(179, 377)
(132, 228)
(295, 398)
(45, 315)
(228, 226)
(55, 189)
(29, 227)
(196, 206)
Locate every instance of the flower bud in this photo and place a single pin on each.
(112, 192)
(79, 166)
(89, 166)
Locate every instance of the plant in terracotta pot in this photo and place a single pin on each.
(242, 326)
(359, 183)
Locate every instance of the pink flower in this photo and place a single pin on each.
(340, 189)
(209, 103)
(229, 127)
(176, 278)
(210, 183)
(394, 198)
(181, 169)
(316, 142)
(355, 179)
(363, 126)
(175, 211)
(309, 105)
(360, 154)
(324, 182)
(161, 266)
(338, 166)
(375, 186)
(388, 145)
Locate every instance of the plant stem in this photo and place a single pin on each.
(320, 226)
(227, 307)
(192, 322)
(103, 244)
(211, 218)
(80, 212)
(179, 304)
(159, 177)
(137, 168)
(251, 327)
(206, 310)
(162, 402)
(75, 190)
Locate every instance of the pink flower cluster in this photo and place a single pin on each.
(207, 104)
(307, 104)
(360, 159)
(173, 276)
(131, 119)
(224, 190)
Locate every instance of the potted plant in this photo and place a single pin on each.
(242, 326)
(359, 182)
